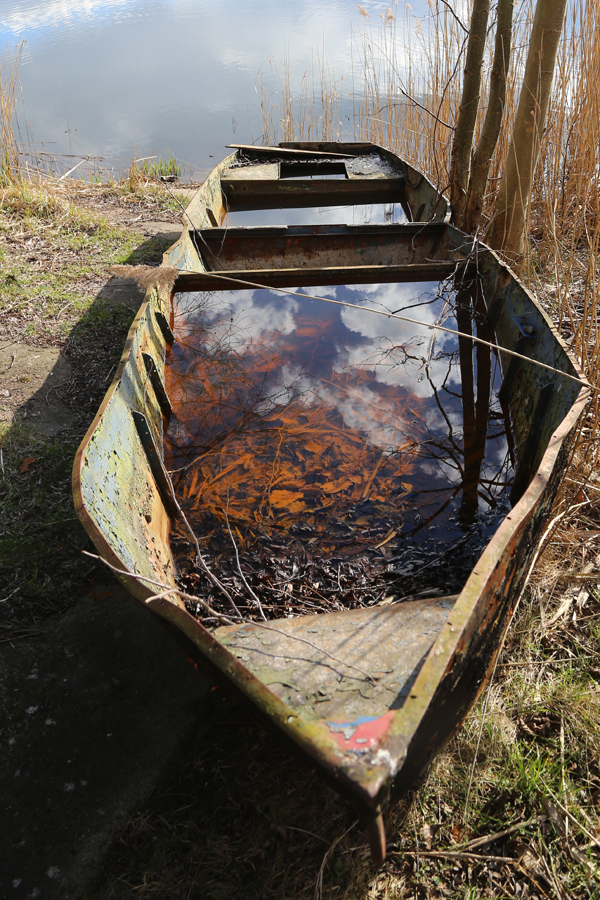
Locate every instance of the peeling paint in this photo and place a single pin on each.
(361, 734)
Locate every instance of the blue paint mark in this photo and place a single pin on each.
(340, 726)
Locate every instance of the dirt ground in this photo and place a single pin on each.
(97, 700)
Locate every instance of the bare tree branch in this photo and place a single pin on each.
(456, 18)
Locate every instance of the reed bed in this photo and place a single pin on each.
(9, 82)
(406, 87)
(528, 758)
(511, 807)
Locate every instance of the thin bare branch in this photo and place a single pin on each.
(455, 16)
(166, 589)
(252, 593)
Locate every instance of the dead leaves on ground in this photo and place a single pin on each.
(507, 855)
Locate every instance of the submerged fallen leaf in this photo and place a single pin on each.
(285, 499)
(364, 520)
(336, 486)
(389, 536)
(27, 463)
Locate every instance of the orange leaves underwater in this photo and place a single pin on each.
(300, 463)
(278, 428)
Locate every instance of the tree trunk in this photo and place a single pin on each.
(470, 307)
(508, 229)
(460, 164)
(482, 158)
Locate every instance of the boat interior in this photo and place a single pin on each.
(356, 666)
(349, 671)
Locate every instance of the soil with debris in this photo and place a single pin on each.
(96, 699)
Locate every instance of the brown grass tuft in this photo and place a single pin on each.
(148, 276)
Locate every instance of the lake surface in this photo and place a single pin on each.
(114, 77)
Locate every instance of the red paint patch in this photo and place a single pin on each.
(366, 735)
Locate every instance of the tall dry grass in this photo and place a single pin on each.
(9, 81)
(311, 111)
(407, 82)
(405, 91)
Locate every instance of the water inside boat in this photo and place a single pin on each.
(354, 214)
(333, 457)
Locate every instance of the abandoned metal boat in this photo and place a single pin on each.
(367, 695)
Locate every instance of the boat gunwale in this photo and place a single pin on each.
(139, 588)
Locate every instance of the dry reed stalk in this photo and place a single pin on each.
(314, 111)
(9, 149)
(407, 81)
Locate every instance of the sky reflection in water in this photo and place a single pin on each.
(307, 414)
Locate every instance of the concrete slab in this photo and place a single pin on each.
(30, 382)
(122, 290)
(91, 715)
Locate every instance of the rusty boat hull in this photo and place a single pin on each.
(432, 656)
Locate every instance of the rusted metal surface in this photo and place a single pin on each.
(206, 210)
(349, 669)
(424, 203)
(226, 280)
(115, 492)
(287, 152)
(369, 733)
(370, 175)
(269, 191)
(157, 384)
(320, 246)
(323, 254)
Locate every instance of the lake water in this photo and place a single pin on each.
(107, 77)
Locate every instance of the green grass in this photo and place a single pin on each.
(85, 245)
(54, 257)
(167, 167)
(243, 818)
(41, 539)
(142, 184)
